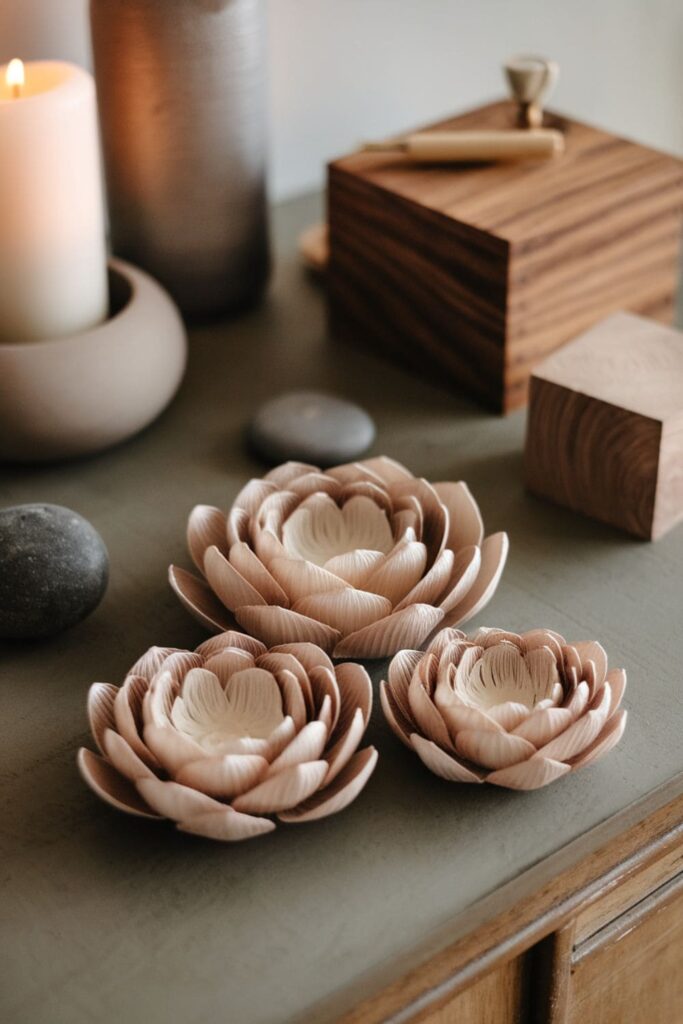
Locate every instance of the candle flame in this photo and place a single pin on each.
(15, 76)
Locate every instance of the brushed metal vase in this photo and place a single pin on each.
(181, 89)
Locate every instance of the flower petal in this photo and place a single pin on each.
(611, 733)
(283, 664)
(276, 626)
(237, 528)
(388, 470)
(226, 825)
(435, 525)
(151, 661)
(442, 764)
(398, 721)
(308, 654)
(617, 681)
(529, 774)
(110, 786)
(494, 553)
(367, 489)
(229, 585)
(292, 697)
(342, 791)
(307, 745)
(314, 483)
(254, 493)
(324, 684)
(255, 702)
(340, 753)
(298, 578)
(204, 699)
(123, 757)
(426, 715)
(461, 716)
(509, 714)
(227, 662)
(171, 800)
(172, 748)
(493, 749)
(226, 776)
(407, 628)
(465, 523)
(200, 600)
(282, 475)
(399, 572)
(128, 716)
(206, 527)
(216, 644)
(543, 724)
(101, 698)
(355, 689)
(428, 589)
(252, 569)
(284, 790)
(581, 733)
(354, 567)
(464, 574)
(346, 610)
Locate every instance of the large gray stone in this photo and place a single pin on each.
(310, 426)
(54, 570)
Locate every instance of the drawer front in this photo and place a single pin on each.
(631, 971)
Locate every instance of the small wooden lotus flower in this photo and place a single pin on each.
(218, 738)
(517, 711)
(363, 559)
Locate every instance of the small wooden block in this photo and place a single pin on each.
(605, 426)
(476, 273)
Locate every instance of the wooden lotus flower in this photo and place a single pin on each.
(517, 711)
(218, 738)
(363, 559)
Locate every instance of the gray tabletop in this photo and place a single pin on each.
(106, 918)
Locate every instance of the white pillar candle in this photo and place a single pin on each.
(53, 261)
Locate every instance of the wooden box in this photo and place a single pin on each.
(476, 273)
(605, 426)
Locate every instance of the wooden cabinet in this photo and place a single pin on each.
(599, 943)
(631, 971)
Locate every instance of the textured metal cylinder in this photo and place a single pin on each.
(181, 89)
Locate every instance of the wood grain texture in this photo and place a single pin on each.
(630, 973)
(476, 273)
(605, 426)
(549, 906)
(500, 997)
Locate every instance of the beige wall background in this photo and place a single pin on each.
(346, 70)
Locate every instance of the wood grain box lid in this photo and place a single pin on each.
(478, 272)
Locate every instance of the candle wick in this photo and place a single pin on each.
(16, 91)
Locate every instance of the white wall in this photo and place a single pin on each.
(346, 70)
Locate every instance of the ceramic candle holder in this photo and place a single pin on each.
(224, 739)
(362, 559)
(515, 711)
(73, 395)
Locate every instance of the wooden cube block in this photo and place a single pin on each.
(476, 273)
(605, 426)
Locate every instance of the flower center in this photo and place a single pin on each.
(321, 531)
(249, 708)
(504, 674)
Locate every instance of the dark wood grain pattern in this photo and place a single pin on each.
(475, 273)
(605, 426)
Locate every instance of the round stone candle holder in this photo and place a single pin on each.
(78, 394)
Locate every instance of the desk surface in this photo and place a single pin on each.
(106, 918)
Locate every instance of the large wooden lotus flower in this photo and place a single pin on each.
(218, 738)
(363, 559)
(517, 711)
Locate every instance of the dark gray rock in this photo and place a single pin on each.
(54, 570)
(310, 426)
